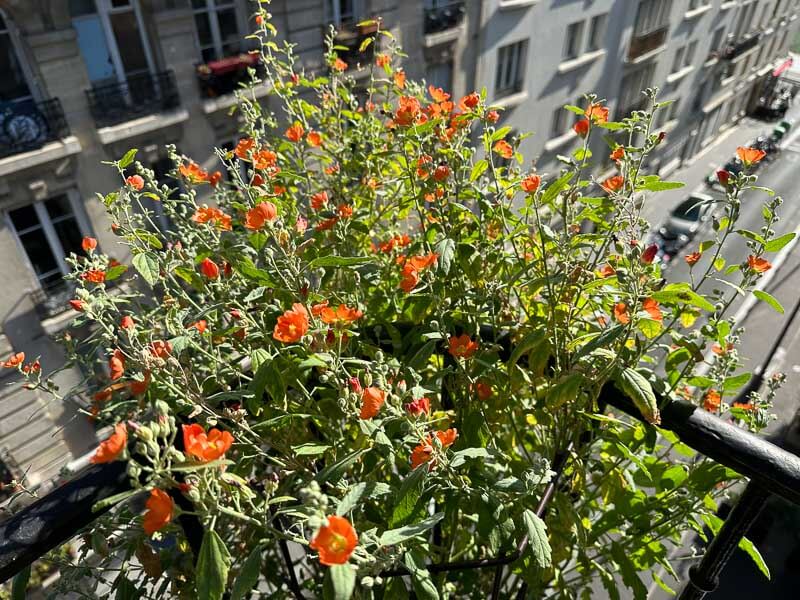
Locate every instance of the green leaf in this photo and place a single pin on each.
(255, 294)
(359, 491)
(212, 567)
(638, 389)
(751, 550)
(478, 169)
(500, 133)
(151, 239)
(445, 249)
(268, 378)
(603, 340)
(649, 327)
(531, 339)
(340, 582)
(581, 154)
(112, 500)
(779, 242)
(146, 264)
(401, 534)
(769, 299)
(719, 263)
(731, 384)
(537, 539)
(556, 187)
(575, 109)
(629, 572)
(338, 261)
(248, 575)
(20, 584)
(115, 272)
(662, 585)
(408, 496)
(258, 357)
(365, 44)
(661, 186)
(128, 158)
(420, 577)
(309, 449)
(333, 473)
(460, 457)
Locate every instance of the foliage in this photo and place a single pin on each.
(324, 326)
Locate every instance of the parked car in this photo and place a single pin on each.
(690, 214)
(733, 166)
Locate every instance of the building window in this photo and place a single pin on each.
(572, 47)
(48, 232)
(691, 50)
(597, 32)
(440, 75)
(510, 76)
(633, 84)
(342, 12)
(651, 16)
(677, 61)
(693, 4)
(111, 38)
(716, 42)
(558, 126)
(217, 28)
(13, 85)
(673, 110)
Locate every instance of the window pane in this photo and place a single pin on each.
(120, 3)
(129, 42)
(203, 29)
(78, 8)
(39, 253)
(228, 29)
(12, 80)
(58, 207)
(69, 235)
(24, 218)
(199, 3)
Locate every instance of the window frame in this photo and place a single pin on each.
(333, 10)
(594, 44)
(212, 7)
(16, 47)
(577, 40)
(658, 17)
(518, 61)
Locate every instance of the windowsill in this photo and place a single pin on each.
(727, 5)
(678, 75)
(767, 32)
(58, 322)
(728, 80)
(669, 125)
(429, 40)
(129, 129)
(793, 18)
(717, 101)
(647, 55)
(512, 4)
(212, 105)
(584, 59)
(559, 141)
(710, 62)
(693, 14)
(511, 100)
(33, 158)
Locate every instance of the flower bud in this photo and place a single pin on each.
(368, 379)
(144, 433)
(723, 177)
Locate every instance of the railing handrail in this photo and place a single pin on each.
(139, 94)
(45, 116)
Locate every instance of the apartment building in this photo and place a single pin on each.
(82, 81)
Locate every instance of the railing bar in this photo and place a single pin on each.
(704, 577)
(294, 585)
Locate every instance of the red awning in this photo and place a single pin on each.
(783, 67)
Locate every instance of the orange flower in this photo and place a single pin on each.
(244, 147)
(408, 111)
(116, 365)
(462, 346)
(136, 182)
(264, 159)
(382, 60)
(161, 349)
(424, 451)
(484, 390)
(531, 183)
(314, 139)
(744, 406)
(423, 261)
(758, 264)
(606, 271)
(410, 278)
(438, 94)
(110, 449)
(205, 447)
(621, 313)
(720, 351)
(193, 173)
(335, 541)
(292, 325)
(345, 211)
(15, 360)
(650, 306)
(260, 214)
(210, 214)
(470, 100)
(749, 156)
(78, 305)
(127, 322)
(712, 400)
(319, 200)
(400, 78)
(372, 399)
(613, 184)
(493, 116)
(88, 244)
(597, 113)
(94, 276)
(326, 224)
(209, 268)
(441, 173)
(200, 326)
(419, 406)
(139, 387)
(295, 132)
(316, 309)
(159, 511)
(581, 127)
(341, 315)
(503, 148)
(339, 65)
(691, 259)
(618, 153)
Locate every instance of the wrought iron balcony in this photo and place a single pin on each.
(225, 76)
(29, 125)
(642, 44)
(138, 96)
(444, 16)
(741, 46)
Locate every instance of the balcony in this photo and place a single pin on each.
(29, 125)
(225, 76)
(349, 40)
(140, 95)
(444, 16)
(741, 46)
(646, 43)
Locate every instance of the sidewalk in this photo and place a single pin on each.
(720, 151)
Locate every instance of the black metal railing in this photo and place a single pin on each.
(138, 96)
(29, 125)
(741, 46)
(444, 16)
(225, 76)
(54, 300)
(57, 517)
(642, 44)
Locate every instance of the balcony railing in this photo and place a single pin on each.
(29, 125)
(61, 514)
(444, 16)
(741, 46)
(138, 96)
(54, 300)
(642, 44)
(225, 76)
